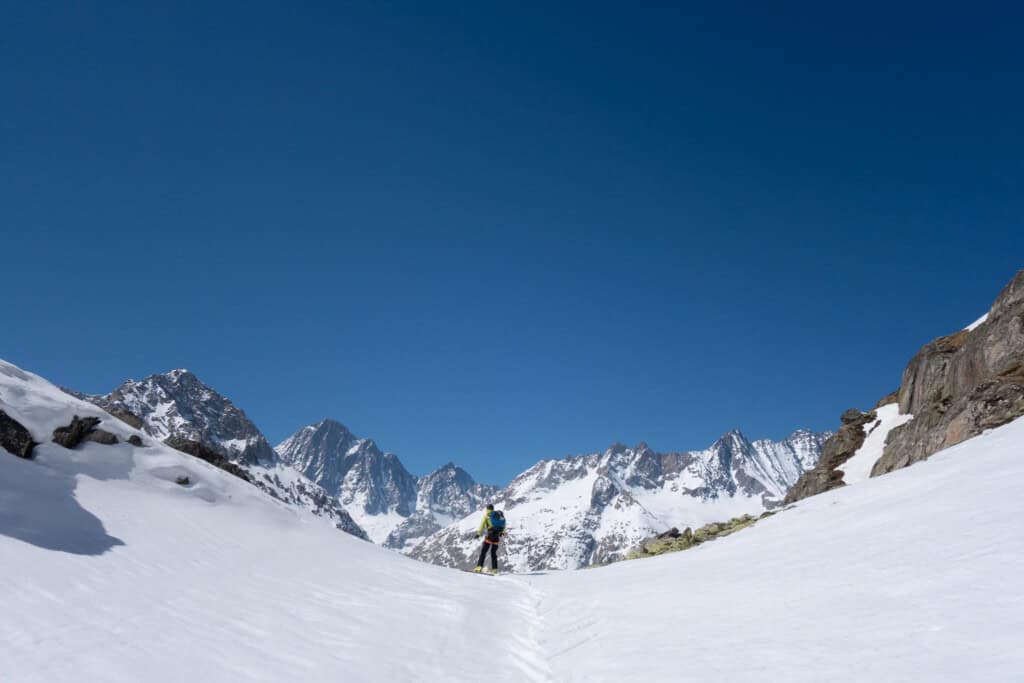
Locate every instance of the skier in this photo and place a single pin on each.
(494, 525)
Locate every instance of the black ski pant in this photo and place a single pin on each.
(494, 555)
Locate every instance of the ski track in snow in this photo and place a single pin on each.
(908, 577)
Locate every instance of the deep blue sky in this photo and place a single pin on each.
(493, 234)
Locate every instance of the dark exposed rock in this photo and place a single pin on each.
(135, 440)
(887, 399)
(14, 437)
(128, 417)
(182, 481)
(73, 434)
(671, 533)
(204, 452)
(101, 436)
(82, 429)
(962, 384)
(850, 416)
(836, 451)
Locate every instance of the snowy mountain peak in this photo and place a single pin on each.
(445, 495)
(373, 486)
(179, 404)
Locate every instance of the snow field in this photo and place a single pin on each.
(109, 571)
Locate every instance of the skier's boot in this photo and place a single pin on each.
(492, 571)
(478, 569)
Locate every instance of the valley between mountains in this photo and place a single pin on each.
(564, 513)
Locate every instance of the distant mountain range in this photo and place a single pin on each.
(588, 509)
(563, 513)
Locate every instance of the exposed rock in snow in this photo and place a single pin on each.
(839, 448)
(960, 385)
(858, 467)
(82, 429)
(14, 438)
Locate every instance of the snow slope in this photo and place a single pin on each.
(913, 576)
(111, 572)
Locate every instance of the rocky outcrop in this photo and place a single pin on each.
(958, 386)
(82, 429)
(837, 450)
(135, 440)
(673, 541)
(128, 417)
(14, 438)
(200, 450)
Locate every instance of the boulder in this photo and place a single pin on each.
(14, 438)
(135, 440)
(850, 416)
(82, 429)
(129, 418)
(200, 450)
(101, 436)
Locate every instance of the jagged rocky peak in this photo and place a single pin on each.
(444, 496)
(450, 490)
(315, 443)
(178, 404)
(365, 479)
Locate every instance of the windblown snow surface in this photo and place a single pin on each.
(109, 571)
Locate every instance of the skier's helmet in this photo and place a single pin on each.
(490, 506)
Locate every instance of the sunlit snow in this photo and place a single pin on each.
(110, 571)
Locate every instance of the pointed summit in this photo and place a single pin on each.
(373, 486)
(178, 404)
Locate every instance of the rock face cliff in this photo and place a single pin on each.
(959, 386)
(953, 389)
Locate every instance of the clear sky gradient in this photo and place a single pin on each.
(498, 233)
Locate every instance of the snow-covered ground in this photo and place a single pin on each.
(109, 571)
